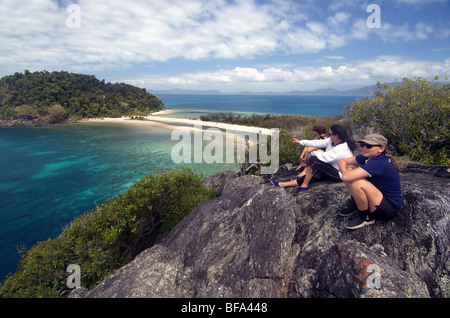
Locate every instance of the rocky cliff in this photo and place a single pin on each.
(255, 240)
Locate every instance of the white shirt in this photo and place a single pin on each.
(332, 154)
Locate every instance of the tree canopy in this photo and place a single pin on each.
(413, 116)
(58, 96)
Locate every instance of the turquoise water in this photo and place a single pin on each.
(53, 174)
(305, 105)
(50, 175)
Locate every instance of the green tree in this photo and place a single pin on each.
(26, 112)
(80, 96)
(413, 116)
(57, 113)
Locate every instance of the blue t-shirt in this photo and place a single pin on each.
(384, 176)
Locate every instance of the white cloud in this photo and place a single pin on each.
(360, 31)
(117, 35)
(339, 19)
(334, 57)
(423, 30)
(123, 32)
(337, 5)
(418, 2)
(134, 31)
(392, 33)
(343, 75)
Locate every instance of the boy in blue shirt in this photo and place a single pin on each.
(374, 185)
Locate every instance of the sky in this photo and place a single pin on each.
(230, 46)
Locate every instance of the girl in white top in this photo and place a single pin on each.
(337, 147)
(320, 132)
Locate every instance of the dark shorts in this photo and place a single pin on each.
(384, 211)
(321, 170)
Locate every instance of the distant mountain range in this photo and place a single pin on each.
(366, 90)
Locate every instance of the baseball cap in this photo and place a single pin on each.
(375, 139)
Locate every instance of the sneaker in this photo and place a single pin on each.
(361, 220)
(276, 183)
(347, 211)
(299, 190)
(350, 210)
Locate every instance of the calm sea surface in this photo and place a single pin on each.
(53, 174)
(307, 105)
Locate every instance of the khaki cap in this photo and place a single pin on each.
(375, 139)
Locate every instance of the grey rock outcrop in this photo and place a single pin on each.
(255, 240)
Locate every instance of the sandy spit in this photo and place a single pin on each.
(168, 123)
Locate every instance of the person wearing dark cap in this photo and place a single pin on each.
(320, 133)
(374, 185)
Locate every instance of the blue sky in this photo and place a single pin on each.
(231, 46)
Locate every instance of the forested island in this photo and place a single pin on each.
(40, 98)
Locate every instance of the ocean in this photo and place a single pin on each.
(305, 105)
(52, 174)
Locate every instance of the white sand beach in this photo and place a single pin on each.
(167, 112)
(176, 123)
(192, 122)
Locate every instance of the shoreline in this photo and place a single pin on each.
(166, 112)
(154, 120)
